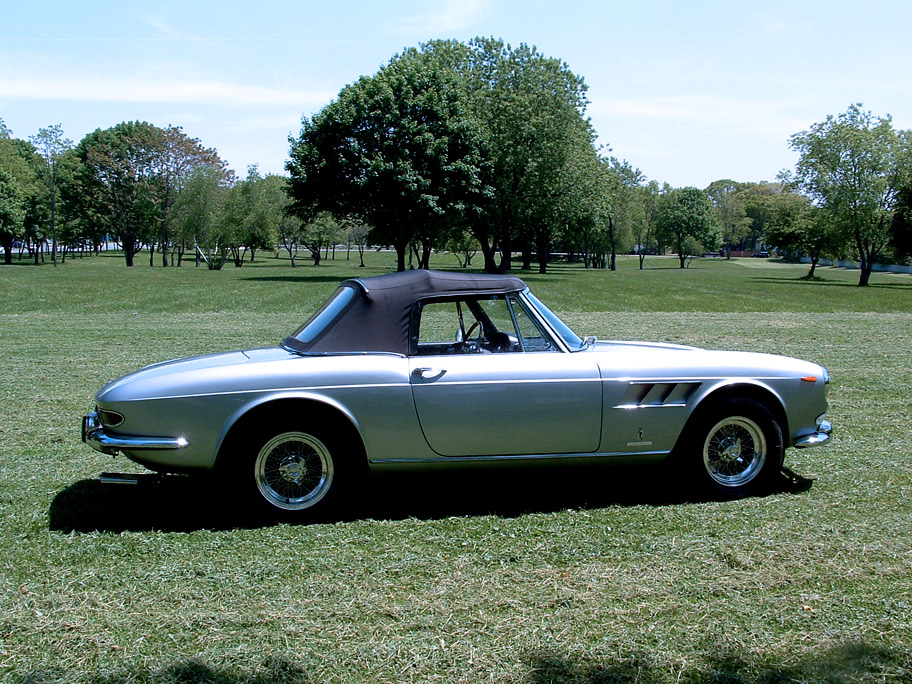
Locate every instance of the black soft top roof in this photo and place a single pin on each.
(378, 319)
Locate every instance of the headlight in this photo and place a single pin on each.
(110, 418)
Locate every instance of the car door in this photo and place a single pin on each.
(509, 390)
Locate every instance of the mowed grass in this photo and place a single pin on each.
(562, 576)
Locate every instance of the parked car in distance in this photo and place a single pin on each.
(429, 369)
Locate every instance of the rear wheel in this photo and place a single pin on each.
(294, 471)
(739, 446)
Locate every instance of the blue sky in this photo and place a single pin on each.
(687, 92)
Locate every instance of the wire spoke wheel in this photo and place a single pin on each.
(294, 471)
(735, 451)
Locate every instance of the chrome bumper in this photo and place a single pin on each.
(822, 436)
(94, 435)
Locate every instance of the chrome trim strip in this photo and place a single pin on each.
(515, 457)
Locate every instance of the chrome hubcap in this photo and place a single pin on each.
(731, 449)
(293, 471)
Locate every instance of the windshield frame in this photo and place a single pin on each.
(558, 328)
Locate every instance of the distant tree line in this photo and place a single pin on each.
(145, 188)
(477, 147)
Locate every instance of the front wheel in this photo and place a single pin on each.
(740, 447)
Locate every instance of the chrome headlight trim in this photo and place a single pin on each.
(110, 418)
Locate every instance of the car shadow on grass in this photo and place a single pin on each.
(853, 661)
(186, 504)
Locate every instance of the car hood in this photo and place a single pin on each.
(654, 359)
(167, 377)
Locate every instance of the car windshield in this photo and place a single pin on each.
(324, 316)
(570, 338)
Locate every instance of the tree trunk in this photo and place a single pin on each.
(487, 252)
(506, 258)
(612, 265)
(866, 267)
(814, 260)
(543, 247)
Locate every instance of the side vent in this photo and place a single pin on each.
(657, 394)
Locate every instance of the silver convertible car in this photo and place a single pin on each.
(427, 369)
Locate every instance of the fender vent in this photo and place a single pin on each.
(657, 394)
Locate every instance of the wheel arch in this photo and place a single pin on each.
(321, 410)
(762, 394)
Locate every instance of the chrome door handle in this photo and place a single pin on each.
(427, 373)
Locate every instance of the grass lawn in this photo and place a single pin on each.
(604, 576)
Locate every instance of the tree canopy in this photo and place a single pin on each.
(444, 137)
(854, 166)
(397, 149)
(687, 222)
(130, 176)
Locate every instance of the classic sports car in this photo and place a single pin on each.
(427, 369)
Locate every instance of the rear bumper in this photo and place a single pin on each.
(94, 435)
(819, 438)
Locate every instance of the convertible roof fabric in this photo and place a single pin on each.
(379, 319)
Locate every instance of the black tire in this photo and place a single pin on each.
(296, 474)
(735, 448)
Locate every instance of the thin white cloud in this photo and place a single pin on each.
(445, 16)
(183, 92)
(164, 28)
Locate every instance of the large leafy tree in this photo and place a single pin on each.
(177, 156)
(20, 159)
(52, 146)
(854, 166)
(728, 197)
(119, 182)
(643, 228)
(12, 195)
(398, 150)
(449, 137)
(198, 216)
(531, 111)
(131, 175)
(686, 221)
(795, 225)
(253, 216)
(901, 230)
(12, 212)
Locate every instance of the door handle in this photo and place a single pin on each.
(427, 373)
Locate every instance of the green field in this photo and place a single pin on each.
(596, 577)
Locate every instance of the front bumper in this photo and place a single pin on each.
(822, 436)
(94, 435)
